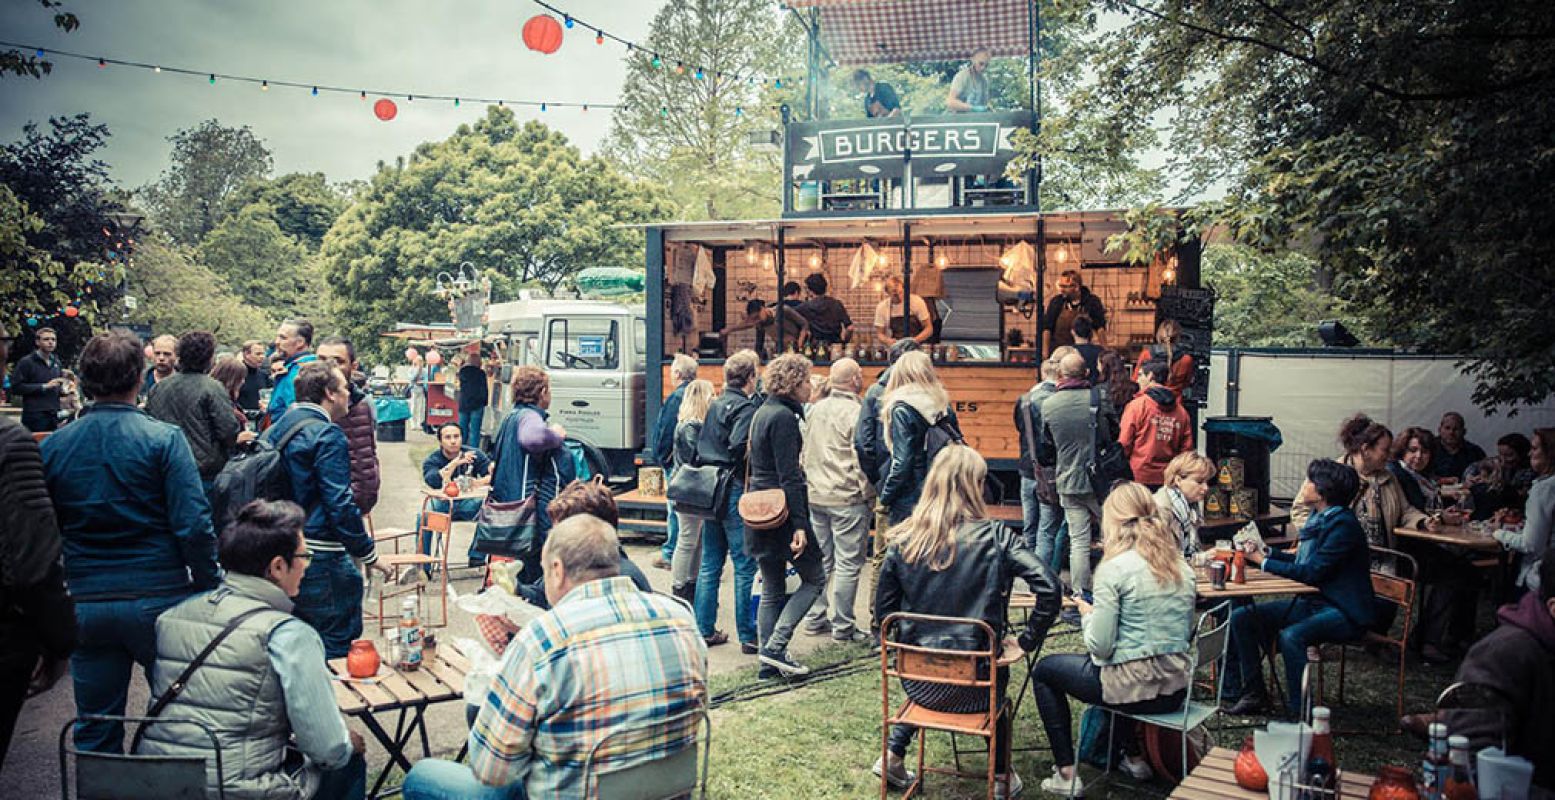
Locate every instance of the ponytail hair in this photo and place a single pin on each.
(1130, 521)
(1360, 432)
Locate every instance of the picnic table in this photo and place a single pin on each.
(1259, 584)
(1214, 779)
(1455, 535)
(440, 680)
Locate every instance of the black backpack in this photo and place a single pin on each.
(939, 436)
(256, 472)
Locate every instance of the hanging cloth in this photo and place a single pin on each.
(864, 260)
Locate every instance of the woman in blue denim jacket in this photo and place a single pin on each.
(1137, 636)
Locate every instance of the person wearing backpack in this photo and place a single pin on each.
(1076, 420)
(318, 470)
(917, 421)
(1042, 517)
(136, 527)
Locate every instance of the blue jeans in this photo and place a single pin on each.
(436, 779)
(1057, 678)
(465, 510)
(347, 783)
(112, 636)
(330, 599)
(470, 426)
(1293, 624)
(1044, 527)
(667, 552)
(720, 538)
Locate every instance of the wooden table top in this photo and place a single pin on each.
(1457, 535)
(1214, 779)
(1259, 584)
(475, 493)
(440, 678)
(636, 499)
(1276, 516)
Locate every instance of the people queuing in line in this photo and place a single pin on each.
(474, 396)
(265, 691)
(1082, 331)
(839, 495)
(915, 402)
(1137, 633)
(317, 458)
(359, 423)
(38, 622)
(1075, 418)
(686, 560)
(605, 657)
(1167, 350)
(1184, 485)
(1154, 428)
(454, 461)
(197, 404)
(1041, 516)
(136, 527)
(723, 443)
(683, 370)
(948, 559)
(1332, 555)
(293, 342)
(528, 459)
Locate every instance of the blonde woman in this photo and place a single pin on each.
(698, 395)
(775, 444)
(1179, 363)
(915, 401)
(948, 559)
(1137, 634)
(1185, 483)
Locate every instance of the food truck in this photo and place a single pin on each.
(925, 198)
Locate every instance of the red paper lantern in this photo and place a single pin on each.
(543, 33)
(434, 357)
(385, 109)
(71, 311)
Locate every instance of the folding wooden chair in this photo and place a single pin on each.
(1400, 591)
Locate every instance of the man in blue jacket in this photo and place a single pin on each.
(318, 464)
(136, 529)
(292, 340)
(683, 370)
(1332, 556)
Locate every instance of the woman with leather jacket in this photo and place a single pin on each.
(688, 545)
(915, 401)
(948, 559)
(722, 443)
(1137, 636)
(775, 444)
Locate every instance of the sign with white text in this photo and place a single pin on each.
(953, 144)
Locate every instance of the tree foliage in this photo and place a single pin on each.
(16, 62)
(266, 267)
(1265, 300)
(1406, 145)
(688, 135)
(209, 164)
(175, 294)
(303, 204)
(516, 201)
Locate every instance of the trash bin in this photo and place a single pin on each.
(1251, 439)
(391, 431)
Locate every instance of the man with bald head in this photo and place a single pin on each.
(1068, 415)
(164, 360)
(839, 502)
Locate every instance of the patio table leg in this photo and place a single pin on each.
(395, 745)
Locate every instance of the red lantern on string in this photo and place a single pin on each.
(543, 33)
(385, 109)
(72, 311)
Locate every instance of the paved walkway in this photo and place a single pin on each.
(32, 768)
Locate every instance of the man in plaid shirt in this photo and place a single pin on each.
(606, 656)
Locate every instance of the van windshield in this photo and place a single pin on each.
(583, 344)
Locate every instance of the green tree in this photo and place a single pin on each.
(1408, 143)
(1265, 300)
(303, 204)
(16, 62)
(209, 164)
(517, 201)
(174, 293)
(262, 264)
(689, 135)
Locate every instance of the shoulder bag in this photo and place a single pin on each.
(763, 509)
(178, 685)
(1108, 464)
(1046, 478)
(510, 528)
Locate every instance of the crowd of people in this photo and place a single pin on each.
(119, 552)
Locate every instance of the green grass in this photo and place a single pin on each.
(819, 740)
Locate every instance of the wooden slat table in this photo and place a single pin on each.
(1214, 779)
(1259, 584)
(440, 680)
(637, 501)
(1454, 535)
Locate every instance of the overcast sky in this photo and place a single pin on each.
(470, 47)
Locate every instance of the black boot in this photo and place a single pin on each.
(686, 592)
(1253, 702)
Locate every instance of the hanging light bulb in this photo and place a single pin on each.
(815, 261)
(566, 20)
(157, 69)
(941, 261)
(264, 86)
(699, 73)
(213, 79)
(1061, 255)
(657, 62)
(101, 64)
(599, 37)
(680, 68)
(315, 91)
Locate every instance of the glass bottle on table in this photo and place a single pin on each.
(1437, 765)
(1322, 736)
(1460, 783)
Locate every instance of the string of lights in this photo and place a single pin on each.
(213, 76)
(658, 58)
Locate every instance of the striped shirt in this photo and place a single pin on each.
(606, 657)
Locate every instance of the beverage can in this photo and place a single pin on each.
(1217, 574)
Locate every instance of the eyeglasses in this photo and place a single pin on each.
(306, 555)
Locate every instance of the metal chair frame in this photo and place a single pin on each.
(438, 523)
(706, 744)
(1403, 593)
(67, 748)
(949, 667)
(1209, 648)
(1467, 696)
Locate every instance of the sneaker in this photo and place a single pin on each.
(1070, 616)
(1064, 787)
(816, 627)
(897, 776)
(779, 660)
(661, 563)
(1136, 768)
(718, 638)
(856, 637)
(767, 673)
(1251, 703)
(746, 648)
(1015, 786)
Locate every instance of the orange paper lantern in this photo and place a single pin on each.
(543, 33)
(385, 109)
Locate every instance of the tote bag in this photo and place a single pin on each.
(510, 528)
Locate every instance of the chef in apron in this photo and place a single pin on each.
(890, 314)
(1072, 302)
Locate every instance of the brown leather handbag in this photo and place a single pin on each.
(763, 509)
